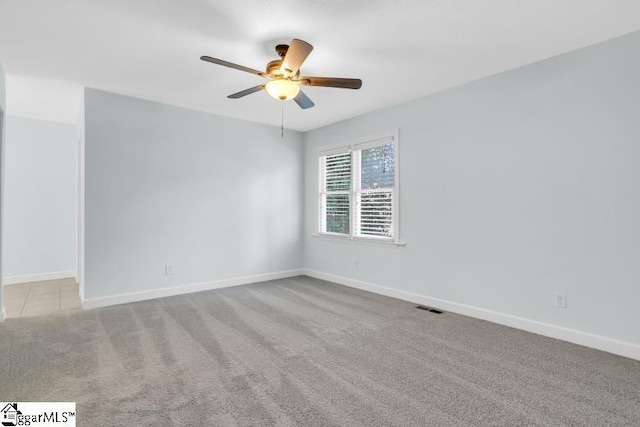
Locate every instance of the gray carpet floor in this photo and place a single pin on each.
(304, 352)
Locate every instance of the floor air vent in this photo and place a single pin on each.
(432, 310)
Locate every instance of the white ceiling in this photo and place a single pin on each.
(401, 49)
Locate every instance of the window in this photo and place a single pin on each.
(358, 194)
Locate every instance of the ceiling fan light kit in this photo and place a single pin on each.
(284, 75)
(282, 89)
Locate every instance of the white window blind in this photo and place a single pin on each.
(336, 192)
(357, 191)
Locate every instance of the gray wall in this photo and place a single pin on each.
(2, 109)
(40, 197)
(3, 92)
(80, 198)
(219, 198)
(513, 188)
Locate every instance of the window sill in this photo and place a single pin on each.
(358, 241)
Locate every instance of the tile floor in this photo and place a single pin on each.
(41, 298)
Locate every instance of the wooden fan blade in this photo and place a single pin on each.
(296, 54)
(303, 100)
(232, 65)
(246, 92)
(331, 82)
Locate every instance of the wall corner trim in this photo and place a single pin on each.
(90, 303)
(610, 345)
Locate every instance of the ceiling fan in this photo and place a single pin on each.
(284, 75)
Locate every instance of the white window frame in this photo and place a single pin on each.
(354, 147)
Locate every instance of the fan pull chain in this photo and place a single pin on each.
(282, 121)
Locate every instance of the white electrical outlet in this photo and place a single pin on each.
(168, 269)
(356, 264)
(561, 301)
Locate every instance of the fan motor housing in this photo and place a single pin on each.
(273, 67)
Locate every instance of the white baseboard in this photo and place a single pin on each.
(586, 339)
(55, 275)
(184, 289)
